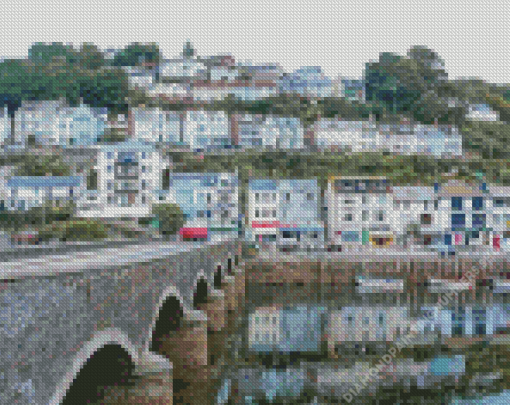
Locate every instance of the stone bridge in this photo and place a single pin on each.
(61, 313)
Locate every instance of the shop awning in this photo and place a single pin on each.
(193, 232)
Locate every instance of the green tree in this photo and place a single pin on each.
(91, 57)
(45, 53)
(170, 217)
(136, 53)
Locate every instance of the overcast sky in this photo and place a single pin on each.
(339, 35)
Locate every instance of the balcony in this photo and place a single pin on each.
(126, 173)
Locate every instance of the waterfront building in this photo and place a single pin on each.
(360, 211)
(209, 202)
(285, 211)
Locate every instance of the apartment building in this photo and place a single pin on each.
(285, 212)
(360, 211)
(209, 202)
(128, 175)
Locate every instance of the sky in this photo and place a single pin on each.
(341, 36)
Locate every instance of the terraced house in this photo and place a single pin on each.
(285, 212)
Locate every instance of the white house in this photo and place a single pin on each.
(139, 77)
(128, 175)
(482, 112)
(173, 91)
(360, 211)
(55, 123)
(25, 192)
(182, 69)
(153, 125)
(285, 212)
(203, 129)
(336, 133)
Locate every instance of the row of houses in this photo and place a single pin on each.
(54, 123)
(125, 180)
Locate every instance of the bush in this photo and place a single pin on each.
(81, 230)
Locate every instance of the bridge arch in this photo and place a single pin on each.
(218, 276)
(168, 316)
(200, 290)
(109, 355)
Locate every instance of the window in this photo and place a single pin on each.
(109, 155)
(436, 205)
(364, 199)
(457, 203)
(143, 155)
(477, 203)
(364, 215)
(425, 205)
(208, 198)
(348, 217)
(380, 216)
(309, 196)
(382, 199)
(143, 169)
(200, 214)
(274, 196)
(396, 205)
(478, 220)
(458, 219)
(349, 202)
(257, 197)
(109, 169)
(274, 213)
(110, 200)
(287, 197)
(143, 184)
(407, 205)
(143, 199)
(426, 219)
(350, 236)
(109, 185)
(257, 213)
